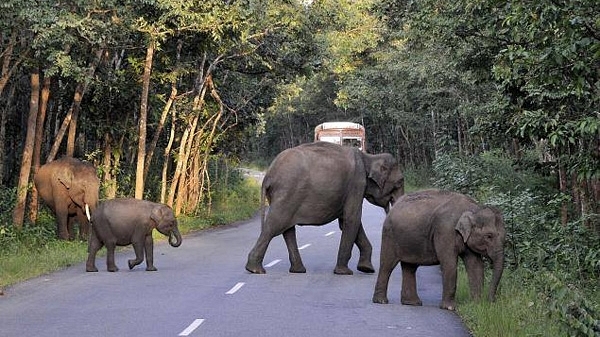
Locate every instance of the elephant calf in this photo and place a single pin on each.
(121, 222)
(435, 227)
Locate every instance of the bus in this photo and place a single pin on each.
(342, 133)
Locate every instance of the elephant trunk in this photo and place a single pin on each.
(175, 238)
(498, 268)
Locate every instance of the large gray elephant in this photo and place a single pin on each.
(435, 227)
(121, 222)
(316, 183)
(69, 187)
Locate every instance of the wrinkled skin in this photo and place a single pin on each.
(316, 183)
(67, 185)
(121, 222)
(435, 227)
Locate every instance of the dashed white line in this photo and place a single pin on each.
(235, 288)
(272, 263)
(305, 246)
(195, 324)
(330, 233)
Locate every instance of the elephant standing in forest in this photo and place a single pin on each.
(70, 188)
(121, 222)
(434, 227)
(316, 183)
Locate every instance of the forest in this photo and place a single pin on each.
(499, 100)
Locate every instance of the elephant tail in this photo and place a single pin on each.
(263, 202)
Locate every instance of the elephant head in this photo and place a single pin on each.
(166, 224)
(483, 232)
(385, 181)
(82, 185)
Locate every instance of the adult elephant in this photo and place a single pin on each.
(316, 183)
(435, 227)
(70, 188)
(121, 222)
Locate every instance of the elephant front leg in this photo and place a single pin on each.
(149, 248)
(138, 248)
(296, 265)
(475, 270)
(409, 295)
(449, 284)
(350, 231)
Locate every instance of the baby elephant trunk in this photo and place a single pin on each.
(175, 238)
(498, 268)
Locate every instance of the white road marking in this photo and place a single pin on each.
(272, 263)
(330, 233)
(235, 288)
(305, 246)
(195, 324)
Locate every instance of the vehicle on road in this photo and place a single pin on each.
(342, 133)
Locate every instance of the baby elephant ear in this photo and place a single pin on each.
(465, 224)
(156, 215)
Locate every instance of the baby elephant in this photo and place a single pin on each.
(120, 222)
(436, 227)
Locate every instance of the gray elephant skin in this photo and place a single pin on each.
(435, 227)
(316, 183)
(121, 222)
(68, 186)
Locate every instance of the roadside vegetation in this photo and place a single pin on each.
(34, 250)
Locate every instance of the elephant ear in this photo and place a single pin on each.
(379, 172)
(65, 177)
(156, 215)
(465, 224)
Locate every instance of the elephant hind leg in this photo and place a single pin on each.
(93, 246)
(273, 225)
(296, 265)
(409, 295)
(257, 254)
(366, 250)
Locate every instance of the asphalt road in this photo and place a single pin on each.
(202, 289)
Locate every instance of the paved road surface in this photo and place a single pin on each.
(202, 289)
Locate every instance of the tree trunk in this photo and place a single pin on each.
(7, 58)
(562, 181)
(159, 128)
(37, 149)
(166, 161)
(73, 113)
(139, 173)
(19, 211)
(163, 117)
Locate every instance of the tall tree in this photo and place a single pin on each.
(22, 187)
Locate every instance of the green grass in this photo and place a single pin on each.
(28, 262)
(519, 309)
